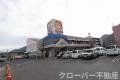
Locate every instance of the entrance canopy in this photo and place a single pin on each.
(51, 39)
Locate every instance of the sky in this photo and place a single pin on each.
(22, 19)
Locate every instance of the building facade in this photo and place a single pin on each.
(116, 33)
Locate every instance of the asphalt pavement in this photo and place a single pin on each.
(102, 68)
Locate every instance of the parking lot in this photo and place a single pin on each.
(63, 69)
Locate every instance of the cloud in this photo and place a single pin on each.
(20, 19)
(8, 41)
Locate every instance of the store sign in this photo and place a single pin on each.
(55, 27)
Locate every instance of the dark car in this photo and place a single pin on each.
(3, 57)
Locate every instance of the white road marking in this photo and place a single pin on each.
(116, 59)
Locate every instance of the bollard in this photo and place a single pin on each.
(9, 77)
(8, 73)
(7, 69)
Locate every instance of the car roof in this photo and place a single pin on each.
(98, 47)
(88, 49)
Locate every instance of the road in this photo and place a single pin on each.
(52, 68)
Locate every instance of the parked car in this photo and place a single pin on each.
(67, 55)
(60, 54)
(33, 55)
(76, 54)
(26, 56)
(3, 58)
(100, 50)
(113, 50)
(89, 53)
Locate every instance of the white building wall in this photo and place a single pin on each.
(32, 45)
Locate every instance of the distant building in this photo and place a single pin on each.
(116, 32)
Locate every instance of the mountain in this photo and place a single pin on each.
(23, 49)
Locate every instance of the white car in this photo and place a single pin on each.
(89, 53)
(3, 58)
(113, 50)
(76, 54)
(100, 50)
(67, 55)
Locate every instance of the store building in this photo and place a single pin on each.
(56, 41)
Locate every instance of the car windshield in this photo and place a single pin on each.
(74, 51)
(97, 49)
(87, 50)
(110, 47)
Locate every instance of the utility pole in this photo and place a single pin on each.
(42, 48)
